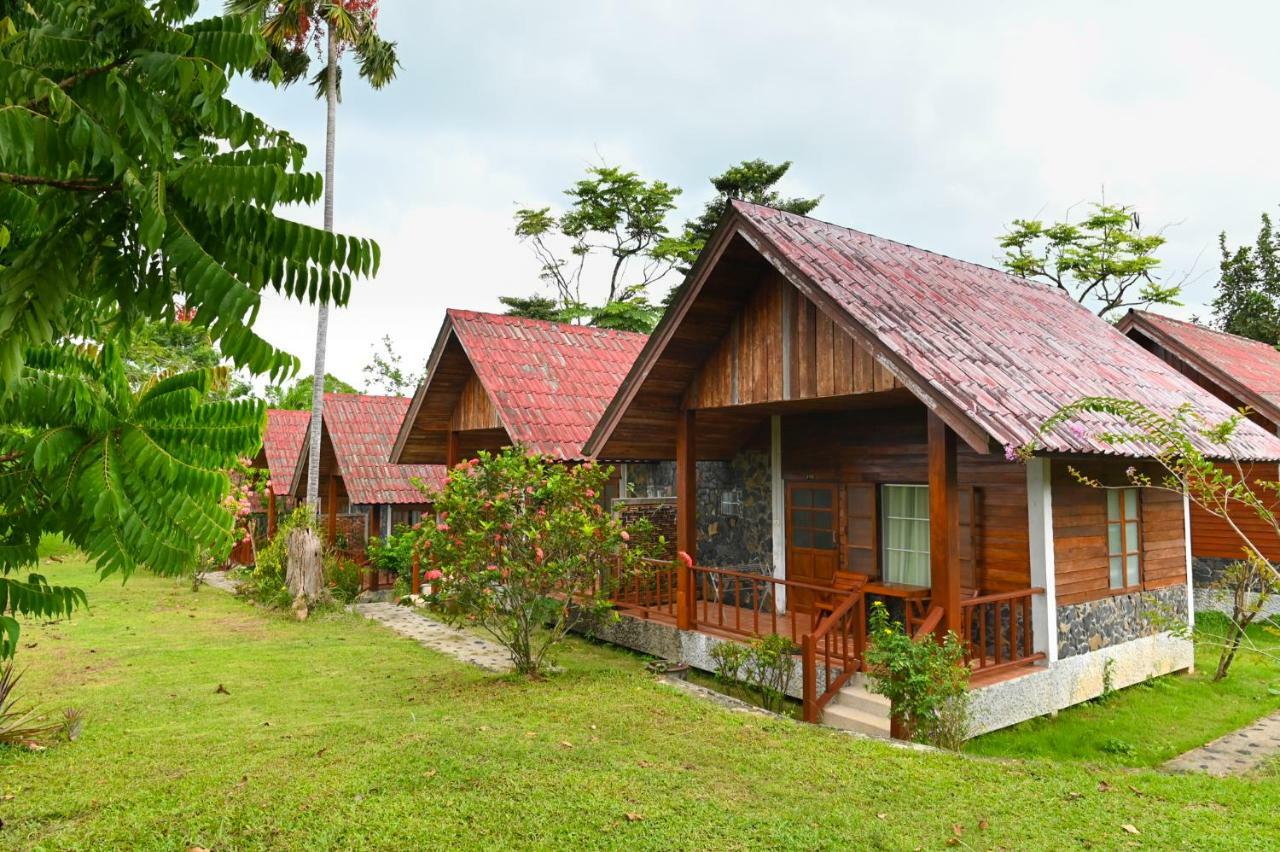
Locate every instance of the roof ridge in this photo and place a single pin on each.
(1198, 327)
(1015, 279)
(509, 319)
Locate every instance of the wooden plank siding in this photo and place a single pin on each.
(1212, 536)
(856, 449)
(1080, 533)
(779, 346)
(474, 410)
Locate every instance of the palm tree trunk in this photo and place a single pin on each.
(322, 320)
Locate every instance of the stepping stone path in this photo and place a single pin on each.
(1234, 753)
(438, 637)
(219, 580)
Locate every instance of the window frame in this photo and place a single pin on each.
(883, 536)
(1125, 552)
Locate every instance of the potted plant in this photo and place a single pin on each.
(671, 668)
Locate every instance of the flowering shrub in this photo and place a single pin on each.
(520, 549)
(393, 553)
(342, 577)
(926, 682)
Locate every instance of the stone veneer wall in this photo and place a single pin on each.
(660, 512)
(1094, 625)
(722, 540)
(1208, 570)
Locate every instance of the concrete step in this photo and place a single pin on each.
(852, 719)
(859, 698)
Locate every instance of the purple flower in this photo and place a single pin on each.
(1077, 430)
(1010, 452)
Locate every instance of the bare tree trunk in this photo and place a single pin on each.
(304, 569)
(322, 319)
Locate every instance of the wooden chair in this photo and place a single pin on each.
(843, 583)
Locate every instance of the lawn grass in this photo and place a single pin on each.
(1149, 723)
(336, 733)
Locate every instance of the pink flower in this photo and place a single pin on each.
(473, 462)
(591, 492)
(1077, 430)
(1010, 452)
(528, 489)
(442, 527)
(433, 574)
(685, 558)
(626, 536)
(538, 554)
(492, 568)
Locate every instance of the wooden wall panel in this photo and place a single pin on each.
(1080, 533)
(876, 447)
(779, 346)
(1212, 536)
(474, 409)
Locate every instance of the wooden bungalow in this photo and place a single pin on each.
(494, 380)
(281, 444)
(1243, 373)
(361, 494)
(862, 395)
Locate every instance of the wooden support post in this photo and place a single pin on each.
(271, 512)
(332, 499)
(944, 524)
(686, 517)
(452, 455)
(416, 588)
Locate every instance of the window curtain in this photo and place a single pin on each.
(905, 526)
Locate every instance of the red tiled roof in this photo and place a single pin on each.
(997, 351)
(549, 381)
(362, 429)
(282, 442)
(1249, 368)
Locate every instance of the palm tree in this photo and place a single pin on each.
(293, 29)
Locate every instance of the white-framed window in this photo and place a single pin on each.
(1124, 539)
(904, 534)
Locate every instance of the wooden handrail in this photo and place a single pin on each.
(1001, 634)
(930, 624)
(835, 626)
(1000, 596)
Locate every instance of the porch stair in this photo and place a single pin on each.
(855, 708)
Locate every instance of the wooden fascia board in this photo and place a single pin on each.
(433, 361)
(973, 434)
(660, 337)
(1135, 322)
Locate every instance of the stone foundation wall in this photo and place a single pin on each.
(1207, 571)
(651, 479)
(1094, 625)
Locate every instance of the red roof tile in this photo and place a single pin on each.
(362, 429)
(282, 442)
(1250, 368)
(997, 351)
(549, 381)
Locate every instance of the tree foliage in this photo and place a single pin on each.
(1105, 261)
(519, 549)
(132, 478)
(129, 182)
(297, 396)
(175, 346)
(386, 372)
(1248, 289)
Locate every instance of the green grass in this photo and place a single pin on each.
(1149, 723)
(336, 733)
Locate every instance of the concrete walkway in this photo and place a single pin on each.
(1235, 753)
(438, 637)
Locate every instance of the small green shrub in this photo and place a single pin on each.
(926, 682)
(762, 670)
(393, 553)
(265, 583)
(1119, 747)
(343, 577)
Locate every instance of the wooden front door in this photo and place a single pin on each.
(811, 539)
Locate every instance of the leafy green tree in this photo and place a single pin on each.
(290, 27)
(1248, 298)
(518, 550)
(1105, 261)
(129, 183)
(533, 307)
(176, 346)
(297, 396)
(619, 218)
(387, 374)
(130, 477)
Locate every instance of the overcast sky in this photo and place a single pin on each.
(933, 125)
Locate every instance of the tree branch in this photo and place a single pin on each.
(84, 185)
(76, 78)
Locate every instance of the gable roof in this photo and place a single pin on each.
(360, 430)
(1248, 369)
(993, 355)
(282, 444)
(549, 382)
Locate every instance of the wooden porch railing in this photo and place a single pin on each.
(746, 604)
(646, 593)
(999, 630)
(838, 642)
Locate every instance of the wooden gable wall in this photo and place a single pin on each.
(474, 409)
(781, 347)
